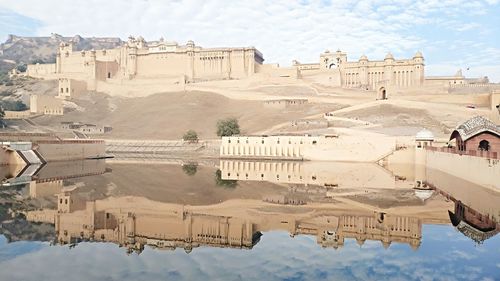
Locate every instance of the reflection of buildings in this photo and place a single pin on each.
(51, 174)
(328, 174)
(473, 224)
(377, 227)
(134, 222)
(77, 220)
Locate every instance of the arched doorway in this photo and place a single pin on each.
(382, 94)
(109, 74)
(332, 65)
(484, 145)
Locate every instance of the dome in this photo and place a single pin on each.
(363, 57)
(424, 135)
(389, 56)
(418, 55)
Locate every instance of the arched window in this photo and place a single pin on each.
(484, 145)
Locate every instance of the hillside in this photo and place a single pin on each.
(170, 115)
(19, 49)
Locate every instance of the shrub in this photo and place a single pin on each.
(21, 67)
(228, 127)
(190, 136)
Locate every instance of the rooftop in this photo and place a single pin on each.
(476, 125)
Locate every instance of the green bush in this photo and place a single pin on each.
(228, 127)
(190, 136)
(21, 67)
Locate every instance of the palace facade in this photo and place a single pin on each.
(367, 74)
(160, 59)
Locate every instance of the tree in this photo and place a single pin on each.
(228, 127)
(190, 136)
(21, 67)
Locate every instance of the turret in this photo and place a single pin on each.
(389, 58)
(363, 71)
(388, 72)
(418, 60)
(66, 48)
(190, 60)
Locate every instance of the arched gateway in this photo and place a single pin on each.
(381, 94)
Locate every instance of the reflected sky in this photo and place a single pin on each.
(444, 254)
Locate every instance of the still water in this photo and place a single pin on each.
(233, 220)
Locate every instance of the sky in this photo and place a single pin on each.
(452, 34)
(445, 254)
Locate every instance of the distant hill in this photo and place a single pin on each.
(19, 50)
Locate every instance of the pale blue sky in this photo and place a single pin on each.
(445, 254)
(452, 34)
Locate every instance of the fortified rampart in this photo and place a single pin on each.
(62, 150)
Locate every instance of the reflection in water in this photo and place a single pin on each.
(53, 171)
(332, 202)
(328, 174)
(134, 222)
(472, 224)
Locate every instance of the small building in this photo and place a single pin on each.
(477, 134)
(284, 103)
(85, 128)
(46, 105)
